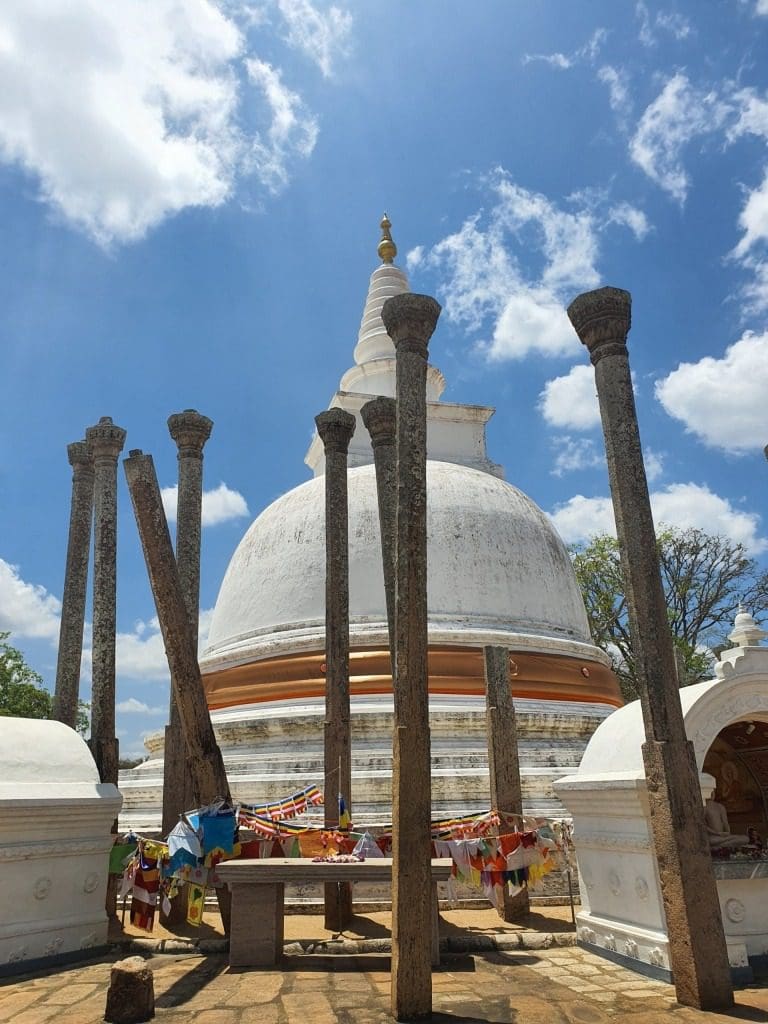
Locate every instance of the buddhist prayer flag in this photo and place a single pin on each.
(344, 819)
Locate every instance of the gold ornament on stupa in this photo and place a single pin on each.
(387, 249)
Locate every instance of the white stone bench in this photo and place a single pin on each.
(258, 910)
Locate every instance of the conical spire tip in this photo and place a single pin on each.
(387, 249)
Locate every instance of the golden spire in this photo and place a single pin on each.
(387, 249)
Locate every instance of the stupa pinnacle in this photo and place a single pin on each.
(387, 249)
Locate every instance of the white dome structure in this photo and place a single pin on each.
(497, 574)
(515, 574)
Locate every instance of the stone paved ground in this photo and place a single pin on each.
(549, 986)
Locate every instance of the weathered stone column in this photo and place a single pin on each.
(205, 764)
(190, 430)
(503, 758)
(336, 427)
(410, 320)
(380, 419)
(106, 442)
(67, 694)
(698, 954)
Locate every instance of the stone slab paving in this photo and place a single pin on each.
(548, 986)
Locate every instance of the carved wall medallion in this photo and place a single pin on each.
(91, 881)
(614, 882)
(735, 910)
(641, 888)
(41, 888)
(54, 946)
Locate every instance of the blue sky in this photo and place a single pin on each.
(190, 194)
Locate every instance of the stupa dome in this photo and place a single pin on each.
(498, 572)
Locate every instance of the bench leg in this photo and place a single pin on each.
(256, 938)
(435, 927)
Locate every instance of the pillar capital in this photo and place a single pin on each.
(410, 320)
(80, 456)
(380, 420)
(105, 440)
(335, 427)
(602, 319)
(190, 430)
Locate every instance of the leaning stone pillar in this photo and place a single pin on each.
(410, 320)
(697, 948)
(503, 759)
(67, 694)
(106, 442)
(208, 777)
(190, 430)
(336, 427)
(380, 419)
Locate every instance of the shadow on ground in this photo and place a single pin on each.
(194, 981)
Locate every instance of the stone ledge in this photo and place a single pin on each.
(347, 947)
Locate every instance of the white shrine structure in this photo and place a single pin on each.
(498, 574)
(726, 718)
(55, 836)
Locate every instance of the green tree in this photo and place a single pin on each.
(22, 694)
(705, 577)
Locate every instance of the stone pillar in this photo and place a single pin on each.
(698, 954)
(410, 320)
(205, 764)
(67, 695)
(503, 758)
(106, 442)
(336, 427)
(380, 419)
(190, 430)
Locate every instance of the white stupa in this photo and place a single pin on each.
(498, 573)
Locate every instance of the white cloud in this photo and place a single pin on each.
(753, 218)
(680, 505)
(679, 114)
(723, 401)
(672, 22)
(628, 215)
(571, 401)
(320, 35)
(618, 88)
(292, 130)
(131, 706)
(762, 7)
(588, 52)
(414, 258)
(220, 505)
(575, 453)
(654, 464)
(127, 113)
(27, 609)
(141, 653)
(511, 270)
(675, 24)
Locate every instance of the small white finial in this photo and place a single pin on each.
(746, 632)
